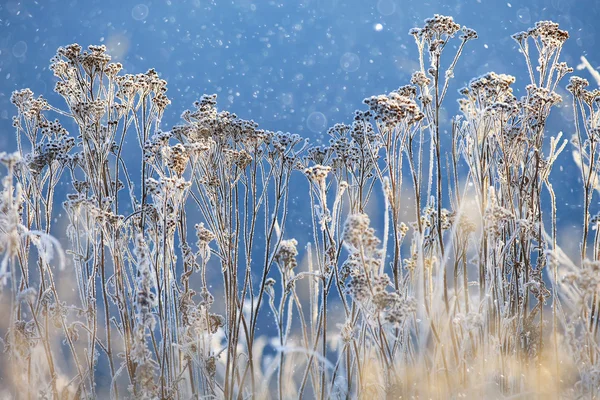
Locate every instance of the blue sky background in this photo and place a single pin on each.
(297, 66)
(273, 61)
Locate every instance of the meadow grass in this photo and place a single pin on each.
(463, 291)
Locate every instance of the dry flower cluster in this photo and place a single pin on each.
(464, 293)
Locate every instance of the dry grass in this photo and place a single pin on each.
(464, 292)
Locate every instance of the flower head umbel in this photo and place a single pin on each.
(285, 257)
(360, 240)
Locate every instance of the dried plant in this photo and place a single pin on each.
(186, 278)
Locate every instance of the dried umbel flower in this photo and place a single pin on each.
(489, 94)
(177, 158)
(495, 215)
(577, 85)
(94, 60)
(394, 109)
(437, 27)
(358, 235)
(492, 85)
(243, 159)
(468, 33)
(55, 149)
(549, 33)
(161, 101)
(167, 189)
(60, 68)
(358, 287)
(353, 149)
(153, 146)
(354, 228)
(318, 154)
(52, 128)
(113, 69)
(204, 235)
(90, 112)
(318, 173)
(399, 309)
(379, 285)
(28, 107)
(283, 140)
(285, 257)
(240, 159)
(420, 79)
(21, 99)
(540, 99)
(70, 52)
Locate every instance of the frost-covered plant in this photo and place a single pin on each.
(174, 250)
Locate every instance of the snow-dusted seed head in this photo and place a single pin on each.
(358, 233)
(285, 256)
(395, 109)
(177, 158)
(436, 27)
(318, 173)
